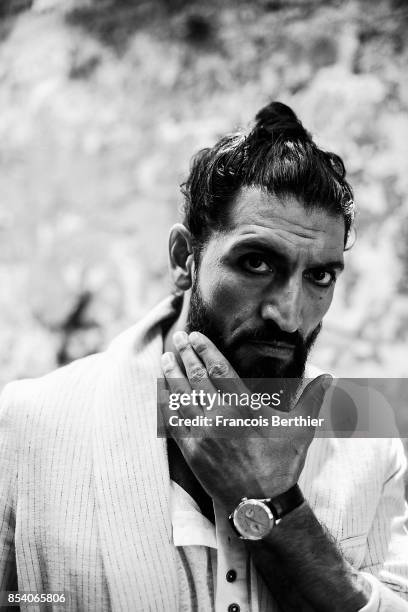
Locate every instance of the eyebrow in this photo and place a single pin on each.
(339, 265)
(265, 246)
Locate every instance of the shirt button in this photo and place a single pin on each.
(233, 608)
(231, 575)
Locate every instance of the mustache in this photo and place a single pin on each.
(271, 333)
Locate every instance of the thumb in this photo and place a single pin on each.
(311, 400)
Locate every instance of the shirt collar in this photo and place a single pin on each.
(190, 526)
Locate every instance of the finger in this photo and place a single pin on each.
(215, 362)
(218, 367)
(180, 388)
(312, 398)
(177, 385)
(195, 369)
(175, 378)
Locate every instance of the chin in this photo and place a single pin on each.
(247, 365)
(263, 368)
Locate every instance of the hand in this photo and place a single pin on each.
(229, 469)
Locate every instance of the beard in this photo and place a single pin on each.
(247, 363)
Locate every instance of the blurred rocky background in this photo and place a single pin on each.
(103, 102)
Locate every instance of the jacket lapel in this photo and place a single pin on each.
(132, 483)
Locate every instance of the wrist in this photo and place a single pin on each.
(290, 523)
(255, 518)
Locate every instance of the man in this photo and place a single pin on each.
(93, 505)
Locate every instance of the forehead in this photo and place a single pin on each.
(257, 213)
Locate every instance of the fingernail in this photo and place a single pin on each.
(327, 381)
(194, 337)
(180, 339)
(167, 360)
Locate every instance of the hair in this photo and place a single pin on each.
(277, 155)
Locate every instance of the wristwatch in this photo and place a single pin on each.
(254, 519)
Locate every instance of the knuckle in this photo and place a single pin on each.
(195, 456)
(167, 369)
(197, 373)
(218, 369)
(200, 346)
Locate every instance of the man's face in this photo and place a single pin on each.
(265, 283)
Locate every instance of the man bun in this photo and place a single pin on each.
(278, 121)
(277, 155)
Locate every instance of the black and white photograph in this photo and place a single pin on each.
(204, 305)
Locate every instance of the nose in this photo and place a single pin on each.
(284, 306)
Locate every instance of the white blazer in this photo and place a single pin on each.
(84, 486)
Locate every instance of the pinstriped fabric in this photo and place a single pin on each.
(8, 480)
(89, 513)
(54, 480)
(84, 486)
(131, 468)
(196, 574)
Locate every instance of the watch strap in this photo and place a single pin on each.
(286, 502)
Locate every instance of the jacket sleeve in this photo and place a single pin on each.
(386, 560)
(8, 481)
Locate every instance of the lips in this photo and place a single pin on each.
(275, 348)
(278, 343)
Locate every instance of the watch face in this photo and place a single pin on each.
(253, 519)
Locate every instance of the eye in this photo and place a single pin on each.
(321, 278)
(255, 263)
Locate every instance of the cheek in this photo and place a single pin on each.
(315, 310)
(225, 295)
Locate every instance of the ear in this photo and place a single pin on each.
(181, 257)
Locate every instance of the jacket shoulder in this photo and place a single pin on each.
(66, 388)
